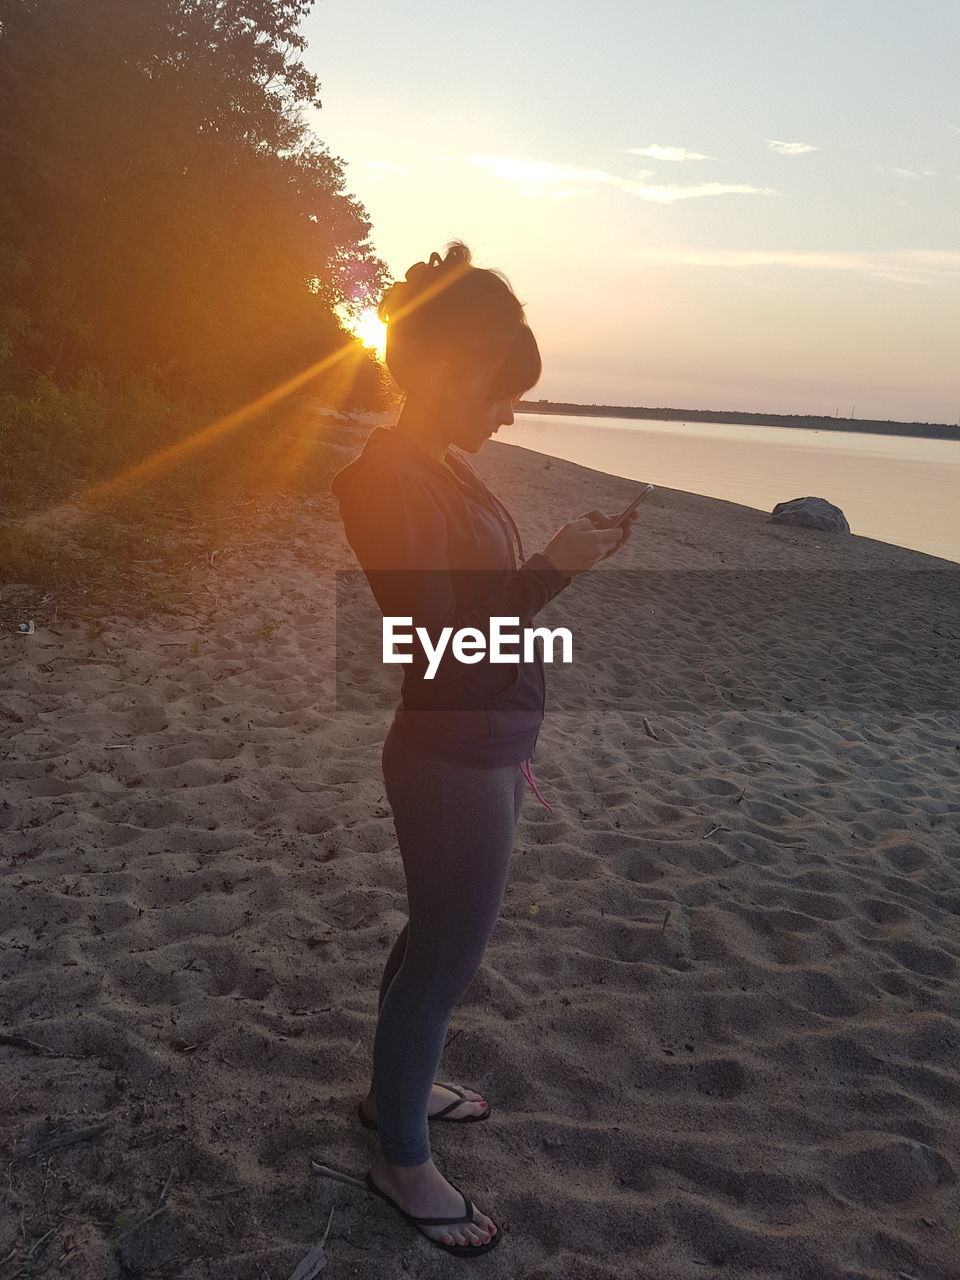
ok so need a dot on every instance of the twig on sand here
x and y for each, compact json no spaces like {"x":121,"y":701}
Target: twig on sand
{"x":64,"y":1140}
{"x":328,"y":1171}
{"x":315,"y":1261}
{"x":665,"y":919}
{"x":37,"y":1243}
{"x":649,"y":729}
{"x":21,"y":1042}
{"x":152,"y":1214}
{"x":718,"y":827}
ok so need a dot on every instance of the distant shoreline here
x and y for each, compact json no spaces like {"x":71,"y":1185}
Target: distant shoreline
{"x":924,"y":430}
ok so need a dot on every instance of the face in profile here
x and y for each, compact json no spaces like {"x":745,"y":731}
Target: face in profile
{"x":476,"y":415}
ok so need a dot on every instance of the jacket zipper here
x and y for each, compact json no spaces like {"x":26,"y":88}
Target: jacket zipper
{"x":484,"y":494}
{"x":493,"y":504}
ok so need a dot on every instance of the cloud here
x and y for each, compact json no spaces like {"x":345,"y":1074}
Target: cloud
{"x":667,"y":195}
{"x":563,"y":194}
{"x":790,"y":148}
{"x":655,"y":152}
{"x":540,"y":171}
{"x":909,"y":173}
{"x":532,"y":175}
{"x":954,"y":128}
{"x":906,"y":266}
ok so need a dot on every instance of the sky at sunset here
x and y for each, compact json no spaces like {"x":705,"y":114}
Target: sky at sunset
{"x":740,"y":205}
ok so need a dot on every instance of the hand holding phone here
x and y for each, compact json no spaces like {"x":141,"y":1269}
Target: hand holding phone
{"x":598,"y":522}
{"x":632,"y":506}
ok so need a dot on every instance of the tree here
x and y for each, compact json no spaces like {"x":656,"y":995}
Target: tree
{"x":162,"y":204}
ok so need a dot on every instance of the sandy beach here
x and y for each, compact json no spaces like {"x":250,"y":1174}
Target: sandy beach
{"x":719,"y":1019}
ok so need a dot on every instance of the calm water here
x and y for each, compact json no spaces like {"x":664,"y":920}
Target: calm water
{"x":892,"y":488}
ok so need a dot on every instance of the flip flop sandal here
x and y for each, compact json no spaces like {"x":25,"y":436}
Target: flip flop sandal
{"x":439,"y":1115}
{"x":461,"y":1250}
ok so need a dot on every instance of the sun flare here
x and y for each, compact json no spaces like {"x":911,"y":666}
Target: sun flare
{"x":369,"y":329}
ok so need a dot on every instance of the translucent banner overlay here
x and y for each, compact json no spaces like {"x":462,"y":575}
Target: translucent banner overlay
{"x":852,"y":642}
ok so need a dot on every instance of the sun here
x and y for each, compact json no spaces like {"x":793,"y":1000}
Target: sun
{"x":369,"y":329}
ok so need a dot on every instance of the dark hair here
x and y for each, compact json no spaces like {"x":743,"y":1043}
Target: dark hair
{"x":447,"y":309}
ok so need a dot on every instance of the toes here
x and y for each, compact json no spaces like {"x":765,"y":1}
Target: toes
{"x":472,"y":1233}
{"x":472,"y":1098}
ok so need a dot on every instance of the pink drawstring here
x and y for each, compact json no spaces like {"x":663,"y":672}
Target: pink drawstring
{"x":527,"y":772}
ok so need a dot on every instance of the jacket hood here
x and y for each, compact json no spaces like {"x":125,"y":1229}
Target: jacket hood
{"x":383,"y":445}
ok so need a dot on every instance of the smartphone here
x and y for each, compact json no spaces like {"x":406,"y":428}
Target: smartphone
{"x":644,"y":493}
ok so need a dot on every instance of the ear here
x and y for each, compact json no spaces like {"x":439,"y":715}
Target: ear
{"x":441,"y":379}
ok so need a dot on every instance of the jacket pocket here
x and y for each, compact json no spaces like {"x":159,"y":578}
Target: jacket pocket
{"x":487,"y":678}
{"x":518,"y":708}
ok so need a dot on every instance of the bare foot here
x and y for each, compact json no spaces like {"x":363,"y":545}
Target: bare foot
{"x":424,"y":1192}
{"x":440,"y":1097}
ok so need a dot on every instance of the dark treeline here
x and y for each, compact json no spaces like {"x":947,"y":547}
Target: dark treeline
{"x":927,"y":430}
{"x":173,"y":238}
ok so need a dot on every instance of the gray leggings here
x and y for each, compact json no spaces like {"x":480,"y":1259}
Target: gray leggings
{"x":455,"y":826}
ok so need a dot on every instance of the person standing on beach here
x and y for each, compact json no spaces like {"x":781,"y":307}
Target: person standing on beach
{"x":437,"y":547}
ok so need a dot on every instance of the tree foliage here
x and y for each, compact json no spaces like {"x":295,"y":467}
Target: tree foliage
{"x":164,"y":209}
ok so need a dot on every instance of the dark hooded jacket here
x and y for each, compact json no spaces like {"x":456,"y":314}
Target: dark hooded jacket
{"x":436,"y":546}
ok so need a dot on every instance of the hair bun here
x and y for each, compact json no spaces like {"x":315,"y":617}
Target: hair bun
{"x":402,"y":293}
{"x":420,"y":273}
